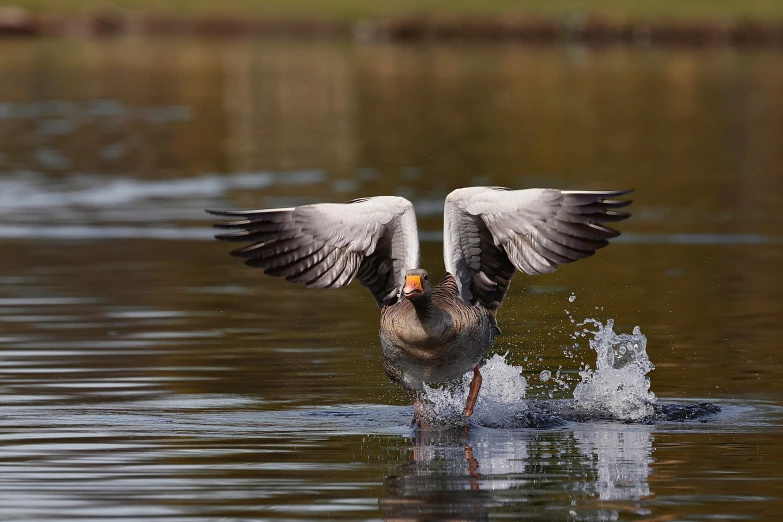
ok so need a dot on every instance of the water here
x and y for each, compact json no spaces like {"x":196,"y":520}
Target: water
{"x":146,"y":374}
{"x":619,"y":385}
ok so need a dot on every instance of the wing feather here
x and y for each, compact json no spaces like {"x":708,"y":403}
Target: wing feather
{"x":305,"y":259}
{"x":489,"y":232}
{"x":327,"y":245}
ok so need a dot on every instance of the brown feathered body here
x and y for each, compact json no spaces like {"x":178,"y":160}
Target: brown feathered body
{"x":435,"y":340}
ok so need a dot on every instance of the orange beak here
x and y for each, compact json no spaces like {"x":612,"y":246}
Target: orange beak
{"x":412,"y":286}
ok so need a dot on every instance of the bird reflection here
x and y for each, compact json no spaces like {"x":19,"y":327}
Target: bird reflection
{"x":441,"y":483}
{"x":475,"y":473}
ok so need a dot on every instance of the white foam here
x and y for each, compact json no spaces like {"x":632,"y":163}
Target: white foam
{"x":619,"y":385}
{"x":501,"y":398}
{"x":618,"y":388}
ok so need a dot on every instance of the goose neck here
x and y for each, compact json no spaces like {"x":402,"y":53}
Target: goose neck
{"x":424,"y":307}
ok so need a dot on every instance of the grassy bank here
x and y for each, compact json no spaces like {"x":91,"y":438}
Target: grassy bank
{"x":763,"y":11}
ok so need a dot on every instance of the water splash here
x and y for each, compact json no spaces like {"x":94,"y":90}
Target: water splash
{"x":619,"y":386}
{"x":617,"y":389}
{"x":501,"y":398}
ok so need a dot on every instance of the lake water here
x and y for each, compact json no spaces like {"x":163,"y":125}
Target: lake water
{"x":145,"y":374}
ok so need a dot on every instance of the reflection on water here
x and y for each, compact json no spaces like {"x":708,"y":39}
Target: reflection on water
{"x":623,"y":462}
{"x":146,"y":375}
{"x":471,"y":474}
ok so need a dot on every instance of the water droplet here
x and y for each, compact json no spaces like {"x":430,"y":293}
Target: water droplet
{"x":572,"y":298}
{"x":545,"y":375}
{"x":619,"y":384}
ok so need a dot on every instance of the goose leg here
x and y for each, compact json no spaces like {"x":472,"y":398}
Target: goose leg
{"x":418,"y":408}
{"x":475,"y":386}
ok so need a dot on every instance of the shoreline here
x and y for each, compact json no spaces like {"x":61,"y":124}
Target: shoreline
{"x":15,"y":22}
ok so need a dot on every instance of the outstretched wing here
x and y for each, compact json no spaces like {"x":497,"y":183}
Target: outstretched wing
{"x":491,"y":231}
{"x":327,"y":245}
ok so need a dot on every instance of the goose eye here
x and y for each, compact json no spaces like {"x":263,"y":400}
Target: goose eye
{"x":426,"y":278}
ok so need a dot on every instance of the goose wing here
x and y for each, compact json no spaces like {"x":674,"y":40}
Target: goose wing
{"x":491,"y":231}
{"x":327,"y":245}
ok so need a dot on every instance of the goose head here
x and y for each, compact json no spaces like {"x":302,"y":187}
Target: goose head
{"x":417,"y":285}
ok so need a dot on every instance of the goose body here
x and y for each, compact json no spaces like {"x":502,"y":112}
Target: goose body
{"x":429,"y":334}
{"x":436,"y":343}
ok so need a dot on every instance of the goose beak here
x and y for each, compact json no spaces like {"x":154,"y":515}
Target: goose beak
{"x":412,"y":288}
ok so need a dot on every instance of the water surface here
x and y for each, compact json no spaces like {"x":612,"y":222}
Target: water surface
{"x":146,"y":374}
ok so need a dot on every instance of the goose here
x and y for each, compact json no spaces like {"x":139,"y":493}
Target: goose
{"x":429,"y":334}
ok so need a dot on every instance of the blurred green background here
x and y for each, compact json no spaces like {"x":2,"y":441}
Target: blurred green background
{"x":762,"y":10}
